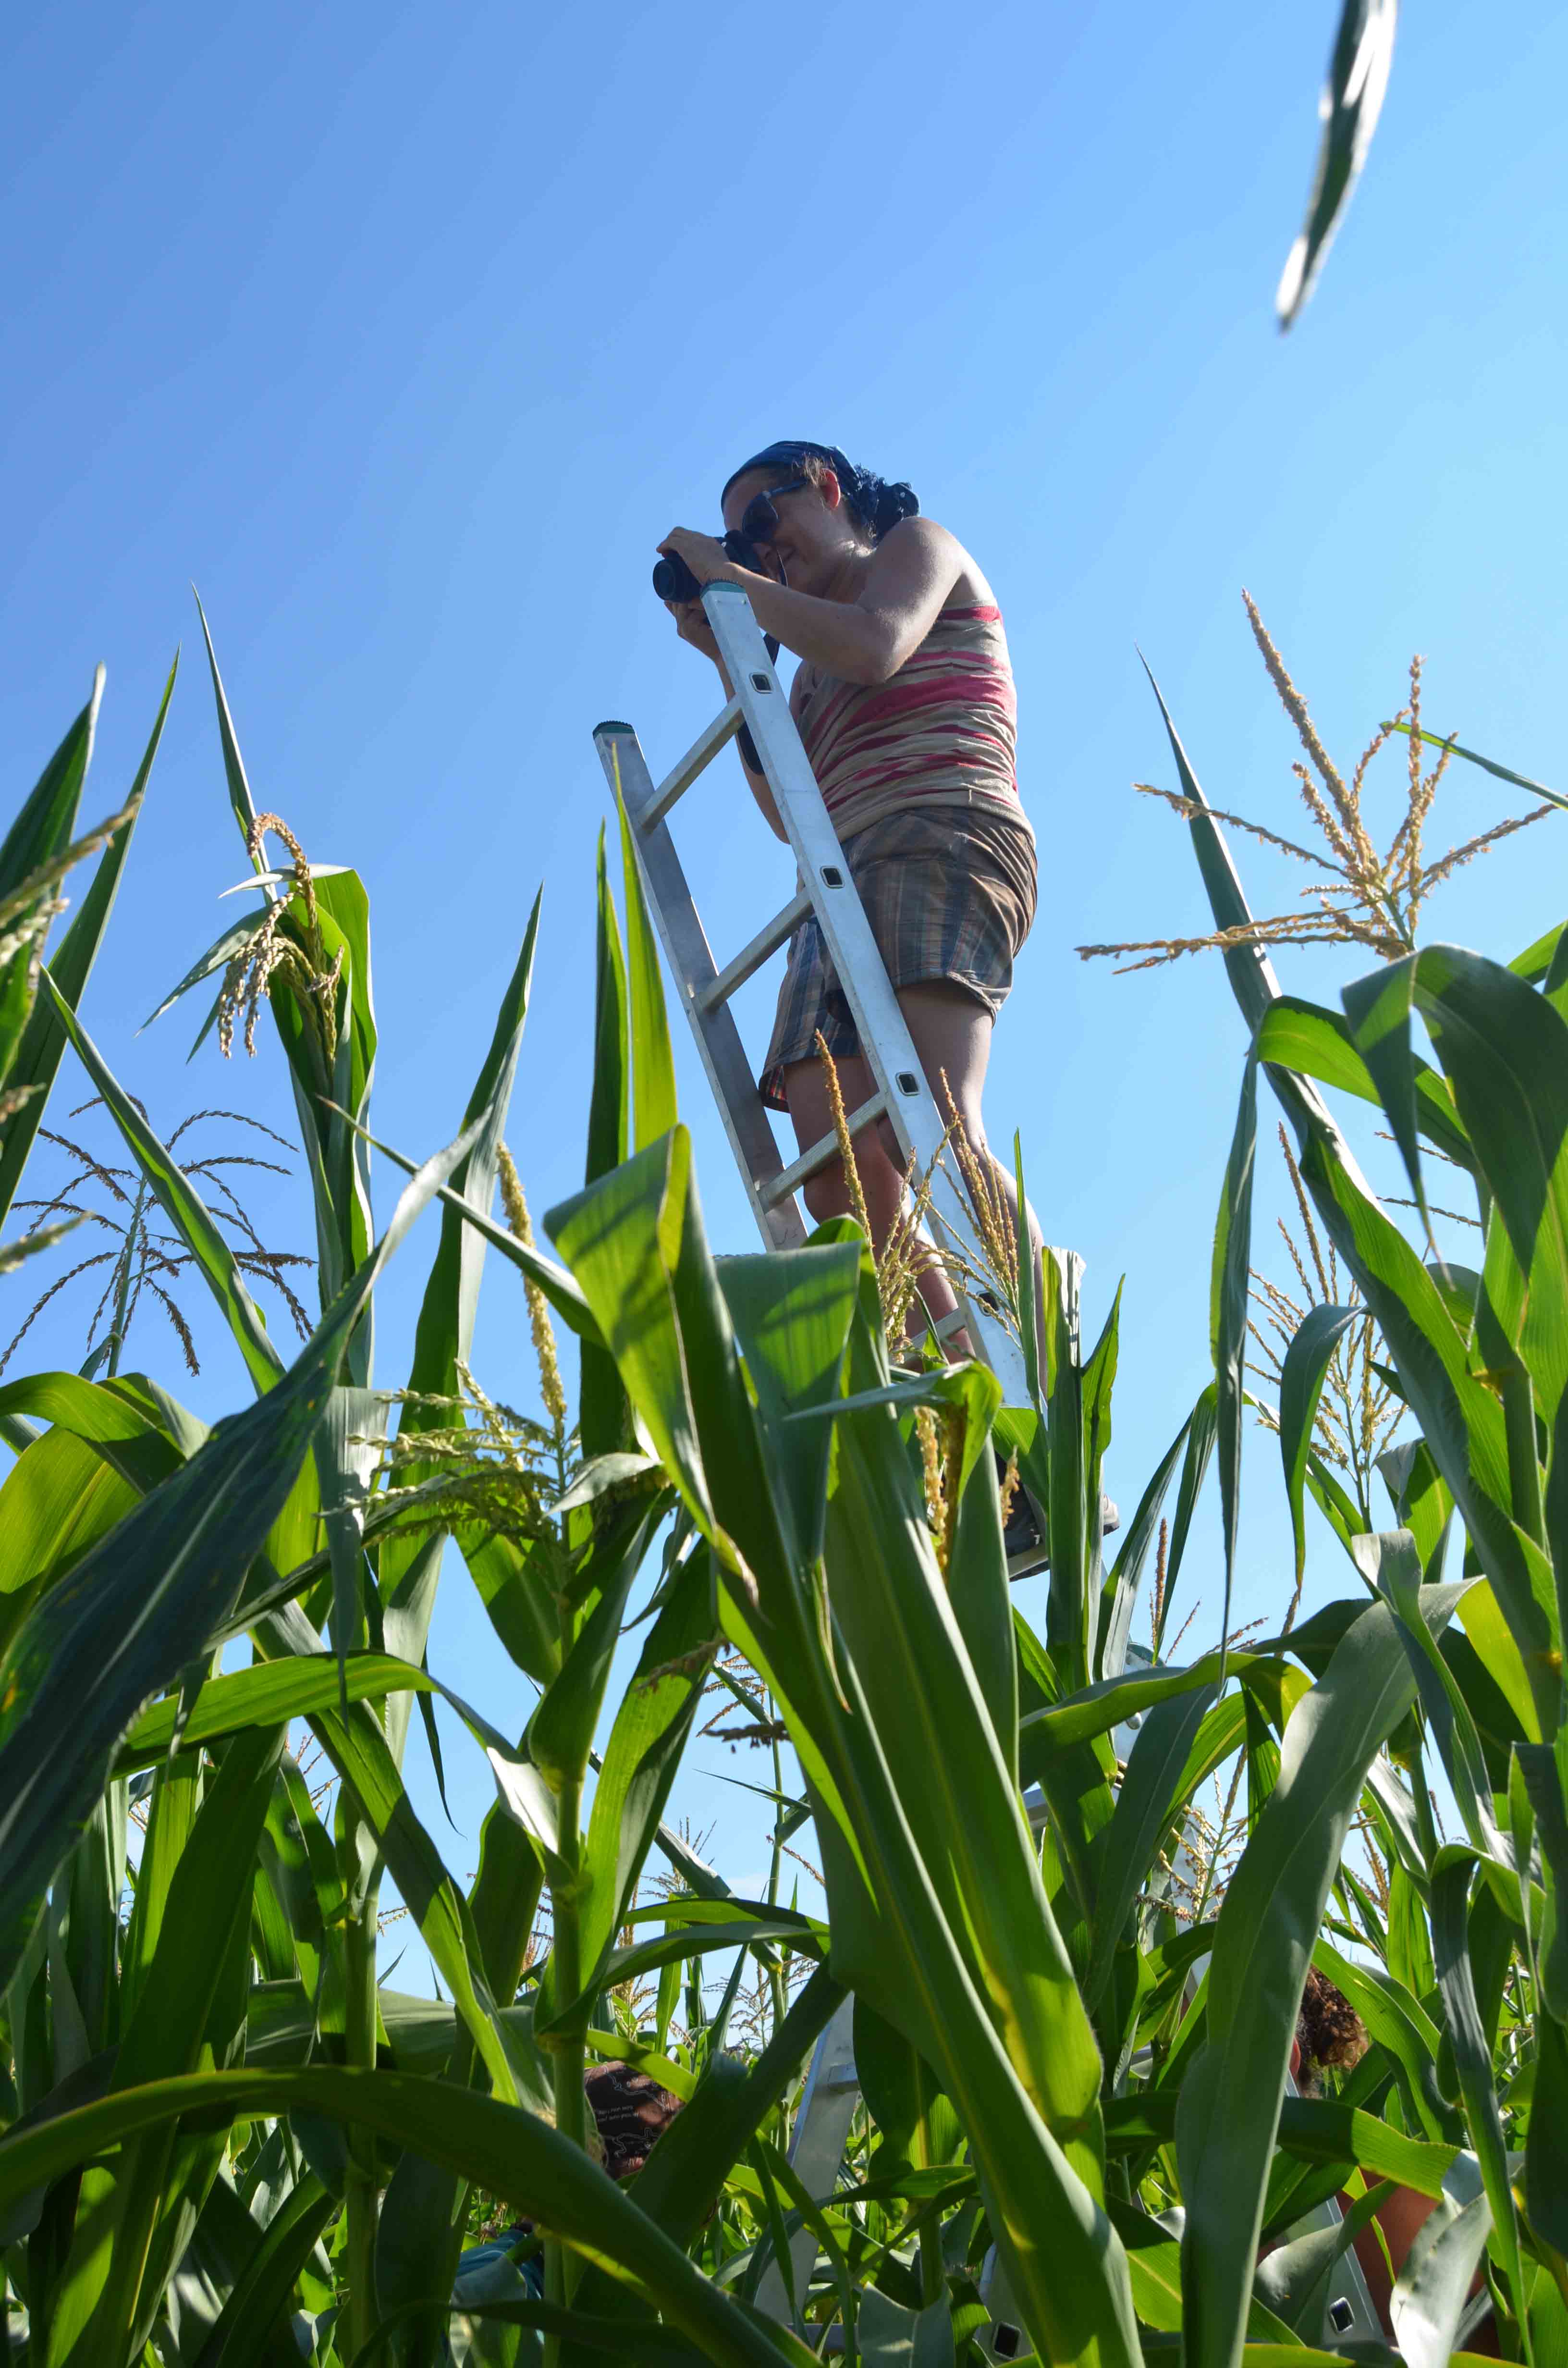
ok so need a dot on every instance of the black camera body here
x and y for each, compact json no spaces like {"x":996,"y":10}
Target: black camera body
{"x":673,"y":579}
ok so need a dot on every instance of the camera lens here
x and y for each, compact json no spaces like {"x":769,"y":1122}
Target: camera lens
{"x":673,"y":580}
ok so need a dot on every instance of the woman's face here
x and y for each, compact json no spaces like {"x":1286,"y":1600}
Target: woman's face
{"x":808,"y":542}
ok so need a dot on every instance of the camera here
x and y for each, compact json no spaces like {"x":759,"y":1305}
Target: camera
{"x":673,"y":579}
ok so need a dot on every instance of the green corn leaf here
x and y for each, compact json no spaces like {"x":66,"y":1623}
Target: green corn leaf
{"x":1229,"y":1290}
{"x":621,"y":1238}
{"x":791,"y":1312}
{"x":1460,"y":1419}
{"x":1119,"y":1594}
{"x":602,"y":1411}
{"x":1421,"y":1498}
{"x":430,"y":2318}
{"x":1505,"y":1050}
{"x":181,"y":1203}
{"x":1472,"y":2052}
{"x":345,"y":911}
{"x":609,"y":1112}
{"x":977,"y":1560}
{"x":515,"y":2155}
{"x":562,"y":1730}
{"x":1200,"y":1440}
{"x":516,"y":1579}
{"x":643,"y":1753}
{"x":890,"y":2335}
{"x":1351,"y":102}
{"x":1148,"y":1799}
{"x":1066,"y":1622}
{"x":444,"y":1334}
{"x":61,"y":1500}
{"x":1487,"y":765}
{"x":1316,"y":1042}
{"x":1249,"y":970}
{"x":37,"y":1054}
{"x":207,"y":1901}
{"x":362,"y":1757}
{"x":1546,"y":2147}
{"x":43,"y":825}
{"x":557,"y":1286}
{"x":409,"y":1567}
{"x":1101,"y":1706}
{"x":1433,"y":2288}
{"x":1378,"y":1012}
{"x":120,"y":1627}
{"x":1273,"y":1911}
{"x":653,"y":1059}
{"x":245,"y":2331}
{"x":903,"y":2095}
{"x":419,"y":2232}
{"x":1305,"y":1369}
{"x":229,"y":942}
{"x":1391,"y":1561}
{"x":1461,"y":1423}
{"x":240,"y":798}
{"x":266,"y":1694}
{"x":1029,"y":1279}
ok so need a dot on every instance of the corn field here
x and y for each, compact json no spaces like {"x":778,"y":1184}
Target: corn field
{"x":1075,"y":1978}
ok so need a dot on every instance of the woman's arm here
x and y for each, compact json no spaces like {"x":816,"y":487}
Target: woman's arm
{"x":913,"y":570}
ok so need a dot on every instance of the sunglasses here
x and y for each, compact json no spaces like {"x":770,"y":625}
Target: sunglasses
{"x":759,"y":519}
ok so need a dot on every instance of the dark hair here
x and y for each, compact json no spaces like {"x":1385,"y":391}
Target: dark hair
{"x":1329,"y":2032}
{"x":878,"y":505}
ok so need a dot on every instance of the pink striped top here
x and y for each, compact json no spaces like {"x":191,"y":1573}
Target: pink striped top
{"x":943,"y":731}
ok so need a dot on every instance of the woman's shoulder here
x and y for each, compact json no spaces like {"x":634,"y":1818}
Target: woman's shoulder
{"x":924,"y":543}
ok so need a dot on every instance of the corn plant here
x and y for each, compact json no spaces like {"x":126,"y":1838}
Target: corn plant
{"x":1074,"y":1991}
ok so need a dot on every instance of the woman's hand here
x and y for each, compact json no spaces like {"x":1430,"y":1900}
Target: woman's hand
{"x":703,"y":553}
{"x":692,"y":625}
{"x":710,"y":563}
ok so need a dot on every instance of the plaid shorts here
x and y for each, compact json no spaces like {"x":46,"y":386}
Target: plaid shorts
{"x":949,"y":893}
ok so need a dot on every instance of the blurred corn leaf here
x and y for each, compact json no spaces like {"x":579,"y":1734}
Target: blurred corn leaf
{"x":1351,"y":102}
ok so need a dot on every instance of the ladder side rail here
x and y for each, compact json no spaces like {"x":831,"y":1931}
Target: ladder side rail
{"x":691,"y":961}
{"x":884,"y":1034}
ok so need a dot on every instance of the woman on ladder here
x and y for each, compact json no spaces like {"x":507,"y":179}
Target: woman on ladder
{"x":905,"y":702}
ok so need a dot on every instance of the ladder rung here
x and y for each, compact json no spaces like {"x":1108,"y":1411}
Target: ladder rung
{"x":702,"y":751}
{"x":752,"y":957}
{"x":790,"y":1178}
{"x":953,"y":1321}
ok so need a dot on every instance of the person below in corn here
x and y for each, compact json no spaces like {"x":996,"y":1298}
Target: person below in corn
{"x":631,"y":2111}
{"x":905,"y":702}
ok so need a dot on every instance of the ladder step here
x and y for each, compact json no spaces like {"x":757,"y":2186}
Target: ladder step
{"x":752,"y":957}
{"x":702,"y":751}
{"x":790,"y":1178}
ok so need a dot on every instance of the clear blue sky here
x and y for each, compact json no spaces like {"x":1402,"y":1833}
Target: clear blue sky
{"x":405,"y":334}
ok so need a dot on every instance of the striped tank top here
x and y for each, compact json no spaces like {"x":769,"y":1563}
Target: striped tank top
{"x":942,"y":730}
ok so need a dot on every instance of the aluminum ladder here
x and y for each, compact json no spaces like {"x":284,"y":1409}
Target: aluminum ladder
{"x":825,"y":889}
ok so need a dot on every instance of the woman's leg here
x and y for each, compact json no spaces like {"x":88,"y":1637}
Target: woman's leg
{"x":828,"y":1194}
{"x":951,"y":1032}
{"x":952,"y":1035}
